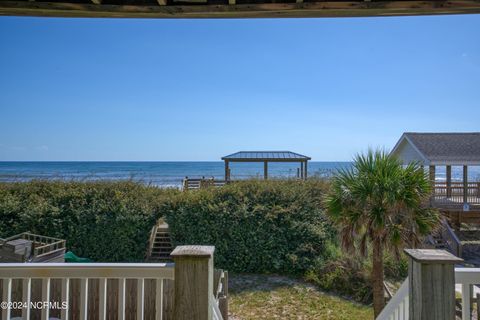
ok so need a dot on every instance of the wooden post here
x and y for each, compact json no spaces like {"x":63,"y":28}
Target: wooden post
{"x":305,"y":175}
{"x":478,"y":305}
{"x":465,"y":184}
{"x":449,"y":181}
{"x":223,"y":300}
{"x":431,"y":171}
{"x":193,"y":282}
{"x":265,"y":170}
{"x":227,"y":171}
{"x":301,"y":170}
{"x":431,"y":281}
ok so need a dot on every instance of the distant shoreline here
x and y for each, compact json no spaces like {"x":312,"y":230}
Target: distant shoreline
{"x":168,"y":173}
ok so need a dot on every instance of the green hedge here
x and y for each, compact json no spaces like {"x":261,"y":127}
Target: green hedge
{"x":255,"y":226}
{"x":105,"y":221}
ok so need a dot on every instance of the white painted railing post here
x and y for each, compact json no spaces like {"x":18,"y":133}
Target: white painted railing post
{"x":431,"y":277}
{"x":193,"y":282}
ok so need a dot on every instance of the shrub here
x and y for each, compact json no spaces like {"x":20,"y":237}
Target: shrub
{"x":105,"y":221}
{"x":349,"y":274}
{"x":256,"y":226}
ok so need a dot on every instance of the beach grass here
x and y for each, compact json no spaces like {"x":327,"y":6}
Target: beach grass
{"x":280,"y":297}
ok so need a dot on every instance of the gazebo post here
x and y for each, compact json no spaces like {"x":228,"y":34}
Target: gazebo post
{"x":449,"y":181}
{"x":227,"y":171}
{"x":305,"y":170}
{"x":265,"y":170}
{"x":465,"y":184}
{"x":301,"y":170}
{"x":431,"y":172}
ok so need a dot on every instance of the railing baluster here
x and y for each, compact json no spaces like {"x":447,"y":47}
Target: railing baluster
{"x":466,"y":296}
{"x":140,"y":298}
{"x":84,"y":299}
{"x":121,"y":298}
{"x":102,"y":303}
{"x":407,"y":310}
{"x":401,"y":311}
{"x":159,"y":300}
{"x":6,"y":297}
{"x":26,"y":297}
{"x":65,"y":297}
{"x":45,"y":298}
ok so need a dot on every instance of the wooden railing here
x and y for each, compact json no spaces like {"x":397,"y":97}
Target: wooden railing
{"x":70,"y":291}
{"x":455,"y":194}
{"x":220,"y":287}
{"x":86,"y":273}
{"x":199,"y":183}
{"x":42,"y":248}
{"x":451,"y":240}
{"x":432,"y":295}
{"x":397,"y":307}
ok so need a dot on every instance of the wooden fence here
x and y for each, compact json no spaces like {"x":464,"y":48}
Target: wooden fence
{"x":100,"y":291}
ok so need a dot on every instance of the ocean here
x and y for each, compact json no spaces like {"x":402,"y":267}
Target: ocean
{"x":171,"y":174}
{"x":164,"y":174}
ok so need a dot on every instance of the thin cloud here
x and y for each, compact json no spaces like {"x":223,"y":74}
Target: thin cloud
{"x":42,"y":148}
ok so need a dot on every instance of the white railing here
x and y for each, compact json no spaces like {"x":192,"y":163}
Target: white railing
{"x":216,"y":313}
{"x":467,"y":277}
{"x":85,"y":272}
{"x":397,"y":308}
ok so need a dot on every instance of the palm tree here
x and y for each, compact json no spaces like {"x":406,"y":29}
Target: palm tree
{"x":380,"y":204}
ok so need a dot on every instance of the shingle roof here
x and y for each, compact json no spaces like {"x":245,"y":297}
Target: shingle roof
{"x":447,"y":147}
{"x":266,"y":155}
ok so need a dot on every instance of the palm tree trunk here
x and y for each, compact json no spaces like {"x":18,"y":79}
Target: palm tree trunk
{"x":377,"y":277}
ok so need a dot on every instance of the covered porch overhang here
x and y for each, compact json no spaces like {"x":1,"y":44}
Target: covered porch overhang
{"x":233,"y":8}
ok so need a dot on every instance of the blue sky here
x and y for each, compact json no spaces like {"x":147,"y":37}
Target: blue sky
{"x":80,"y":89}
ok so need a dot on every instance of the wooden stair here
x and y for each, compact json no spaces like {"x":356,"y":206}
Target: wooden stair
{"x":160,"y":245}
{"x":439,"y":242}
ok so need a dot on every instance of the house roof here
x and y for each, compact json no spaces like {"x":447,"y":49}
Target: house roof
{"x":278,"y":156}
{"x":443,"y":148}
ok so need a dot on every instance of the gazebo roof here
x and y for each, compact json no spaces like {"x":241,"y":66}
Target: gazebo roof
{"x":462,"y":148}
{"x":274,"y":156}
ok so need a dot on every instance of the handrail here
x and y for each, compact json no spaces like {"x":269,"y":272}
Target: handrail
{"x":216,"y":313}
{"x":398,"y":305}
{"x":450,"y":236}
{"x":87,"y":270}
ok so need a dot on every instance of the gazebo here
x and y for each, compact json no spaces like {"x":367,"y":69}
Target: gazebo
{"x":445,"y":149}
{"x":266,"y":157}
